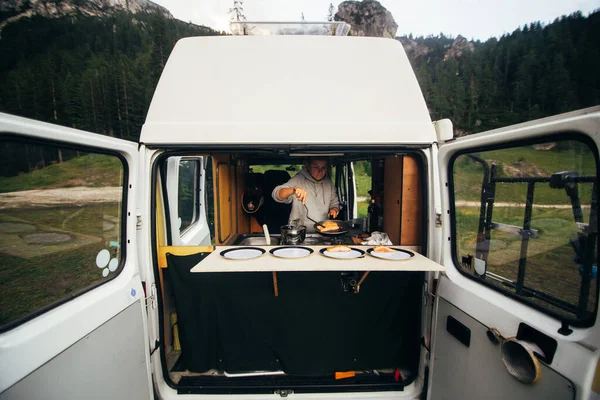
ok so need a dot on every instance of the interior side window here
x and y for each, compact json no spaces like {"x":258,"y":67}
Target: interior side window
{"x":188,"y":202}
{"x":61,"y":224}
{"x":209,"y":197}
{"x":526,"y":223}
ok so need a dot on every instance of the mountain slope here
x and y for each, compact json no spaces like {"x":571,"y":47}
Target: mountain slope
{"x":535,"y":71}
{"x":93,"y":70}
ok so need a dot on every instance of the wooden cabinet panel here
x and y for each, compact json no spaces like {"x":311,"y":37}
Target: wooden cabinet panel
{"x":412,"y":213}
{"x":392,"y":197}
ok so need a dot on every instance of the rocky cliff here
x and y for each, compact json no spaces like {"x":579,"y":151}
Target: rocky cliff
{"x":13,"y":10}
{"x":460,"y":46}
{"x":367,"y":18}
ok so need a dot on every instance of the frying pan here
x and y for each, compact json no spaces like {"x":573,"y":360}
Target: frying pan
{"x":343,"y":228}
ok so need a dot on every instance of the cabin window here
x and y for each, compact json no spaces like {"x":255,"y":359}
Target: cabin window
{"x":188,"y":196}
{"x":61,"y":225}
{"x":526,"y":223}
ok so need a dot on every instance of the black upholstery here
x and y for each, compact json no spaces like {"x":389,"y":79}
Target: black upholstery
{"x":274,"y":214}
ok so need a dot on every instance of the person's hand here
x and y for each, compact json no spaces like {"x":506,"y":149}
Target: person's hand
{"x":333,"y":213}
{"x":300,"y":194}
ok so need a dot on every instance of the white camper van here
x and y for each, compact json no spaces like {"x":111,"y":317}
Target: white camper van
{"x":161,"y":268}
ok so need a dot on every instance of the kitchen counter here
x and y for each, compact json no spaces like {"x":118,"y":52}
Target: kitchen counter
{"x":314,"y":262}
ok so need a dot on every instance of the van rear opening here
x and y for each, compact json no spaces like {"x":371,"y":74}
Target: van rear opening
{"x":301,"y":331}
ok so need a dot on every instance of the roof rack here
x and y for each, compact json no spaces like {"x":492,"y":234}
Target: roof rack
{"x":263,"y":28}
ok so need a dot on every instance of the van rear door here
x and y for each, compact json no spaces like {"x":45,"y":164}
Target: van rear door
{"x":516,"y":309}
{"x":72,"y":305}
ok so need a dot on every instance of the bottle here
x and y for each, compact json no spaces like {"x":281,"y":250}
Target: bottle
{"x":373,"y":216}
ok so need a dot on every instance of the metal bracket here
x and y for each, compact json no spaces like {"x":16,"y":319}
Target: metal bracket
{"x":284,"y":392}
{"x":427,"y":295}
{"x":151,"y":298}
{"x":438,"y":220}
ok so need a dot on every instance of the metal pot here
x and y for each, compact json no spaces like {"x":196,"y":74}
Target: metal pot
{"x":293,"y":234}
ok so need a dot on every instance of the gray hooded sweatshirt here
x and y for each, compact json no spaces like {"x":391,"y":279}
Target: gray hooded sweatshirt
{"x":320,"y":198}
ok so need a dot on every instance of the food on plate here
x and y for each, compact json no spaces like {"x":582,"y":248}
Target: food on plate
{"x":356,"y":240}
{"x":383,"y":249}
{"x":328,"y":226}
{"x":340,"y":248}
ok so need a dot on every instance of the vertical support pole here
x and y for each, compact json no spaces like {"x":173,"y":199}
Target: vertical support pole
{"x":525,"y":233}
{"x":486,"y":192}
{"x":487,"y":232}
{"x":588,"y":256}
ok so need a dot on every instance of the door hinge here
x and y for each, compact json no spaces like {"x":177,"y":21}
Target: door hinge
{"x":438,"y":220}
{"x":151,"y":298}
{"x":284,"y":393}
{"x":138,"y":220}
{"x":427,"y":295}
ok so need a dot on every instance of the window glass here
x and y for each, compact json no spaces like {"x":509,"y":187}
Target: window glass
{"x":188,"y":204}
{"x":209,"y":197}
{"x":291,"y":168}
{"x":363,"y":172}
{"x":60,"y":225}
{"x":526,"y":223}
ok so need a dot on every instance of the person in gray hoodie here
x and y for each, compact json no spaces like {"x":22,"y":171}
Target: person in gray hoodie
{"x":311,"y":187}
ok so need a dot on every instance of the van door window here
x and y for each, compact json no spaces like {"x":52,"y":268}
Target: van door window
{"x":61,"y":225}
{"x":526,"y":224}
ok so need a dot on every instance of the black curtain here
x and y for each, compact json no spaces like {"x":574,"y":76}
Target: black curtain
{"x":233,"y":322}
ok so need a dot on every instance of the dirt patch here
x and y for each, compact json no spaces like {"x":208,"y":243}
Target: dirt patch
{"x":13,"y":227}
{"x":46,"y":238}
{"x":52,"y":197}
{"x":521,"y":169}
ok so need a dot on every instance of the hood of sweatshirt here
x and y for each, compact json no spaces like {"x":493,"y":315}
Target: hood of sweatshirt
{"x":317,"y":186}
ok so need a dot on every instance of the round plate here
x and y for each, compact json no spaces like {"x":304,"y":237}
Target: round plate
{"x":242,"y":253}
{"x":397,"y":255}
{"x":343,"y":255}
{"x":291,"y":252}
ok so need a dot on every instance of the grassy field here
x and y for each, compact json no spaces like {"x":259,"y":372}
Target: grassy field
{"x":89,"y":170}
{"x":35,"y":275}
{"x":525,"y":161}
{"x":550,"y":266}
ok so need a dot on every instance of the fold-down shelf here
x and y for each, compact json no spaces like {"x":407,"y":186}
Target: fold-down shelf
{"x":314,"y":262}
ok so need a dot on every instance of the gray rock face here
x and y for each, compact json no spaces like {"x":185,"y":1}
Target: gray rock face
{"x":367,"y":18}
{"x":414,"y":49}
{"x":461,"y":45}
{"x":59,"y":8}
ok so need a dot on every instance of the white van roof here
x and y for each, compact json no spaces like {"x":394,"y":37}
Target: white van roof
{"x":288,"y":90}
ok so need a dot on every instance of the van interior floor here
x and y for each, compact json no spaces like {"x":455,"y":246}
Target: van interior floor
{"x":217,"y":381}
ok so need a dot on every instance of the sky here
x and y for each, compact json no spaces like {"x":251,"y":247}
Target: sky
{"x":473,"y":19}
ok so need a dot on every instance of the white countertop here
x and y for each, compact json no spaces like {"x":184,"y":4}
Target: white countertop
{"x":314,"y":262}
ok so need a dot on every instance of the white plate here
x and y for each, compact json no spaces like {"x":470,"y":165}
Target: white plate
{"x":291,"y":252}
{"x":395,"y":256}
{"x":344,"y":255}
{"x":245,"y":253}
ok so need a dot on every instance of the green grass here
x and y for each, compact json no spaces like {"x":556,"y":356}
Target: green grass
{"x":34,"y":275}
{"x":94,"y":170}
{"x":550,"y":266}
{"x":362,"y":209}
{"x":468,"y":174}
{"x":363,"y":185}
{"x":261,"y":169}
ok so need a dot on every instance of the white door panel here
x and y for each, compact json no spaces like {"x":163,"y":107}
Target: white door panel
{"x":96,"y":367}
{"x":478,"y":372}
{"x":44,"y":338}
{"x":575,"y":359}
